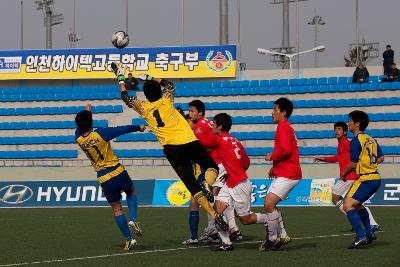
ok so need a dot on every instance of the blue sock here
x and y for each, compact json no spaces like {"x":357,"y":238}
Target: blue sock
{"x":364,"y":216}
{"x":355,"y":222}
{"x":132,"y":206}
{"x":194,"y":224}
{"x":123,"y":226}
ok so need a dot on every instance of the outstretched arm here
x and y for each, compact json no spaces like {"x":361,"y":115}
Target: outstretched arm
{"x":131,"y":102}
{"x":110,"y":133}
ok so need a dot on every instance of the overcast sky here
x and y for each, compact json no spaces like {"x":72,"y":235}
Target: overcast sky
{"x":158,"y":23}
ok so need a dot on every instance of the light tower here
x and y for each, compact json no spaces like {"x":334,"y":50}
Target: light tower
{"x":316,"y":21}
{"x":285,"y":48}
{"x":50,"y":19}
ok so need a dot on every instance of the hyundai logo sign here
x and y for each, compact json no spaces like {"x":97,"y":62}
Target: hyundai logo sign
{"x":15,"y":194}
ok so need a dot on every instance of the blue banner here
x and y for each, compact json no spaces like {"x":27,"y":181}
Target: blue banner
{"x":167,"y":193}
{"x":64,"y":194}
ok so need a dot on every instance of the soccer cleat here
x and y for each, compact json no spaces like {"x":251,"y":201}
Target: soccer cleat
{"x":224,"y":247}
{"x":371,"y":238}
{"x":358,"y":243}
{"x":235,"y":236}
{"x":207,"y":192}
{"x":282,"y":241}
{"x":130,"y":244}
{"x":190,"y":242}
{"x":135,"y":227}
{"x":375,"y":228}
{"x":268,"y":245}
{"x":220,"y":222}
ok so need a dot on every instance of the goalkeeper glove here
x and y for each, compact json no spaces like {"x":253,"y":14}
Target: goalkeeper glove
{"x":119,"y":71}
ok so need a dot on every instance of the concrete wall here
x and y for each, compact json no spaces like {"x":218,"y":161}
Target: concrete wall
{"x":165,"y":172}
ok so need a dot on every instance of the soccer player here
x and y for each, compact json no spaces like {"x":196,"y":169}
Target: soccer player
{"x":365,"y":156}
{"x":236,"y":191}
{"x":194,"y":216}
{"x":111,"y":175}
{"x":343,"y":158}
{"x":203,"y":126}
{"x":286,"y":172}
{"x":181,"y":146}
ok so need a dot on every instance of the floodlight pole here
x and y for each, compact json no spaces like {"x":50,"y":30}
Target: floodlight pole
{"x":22,"y":24}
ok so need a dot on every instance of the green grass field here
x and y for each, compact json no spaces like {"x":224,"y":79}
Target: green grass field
{"x":89,"y":237}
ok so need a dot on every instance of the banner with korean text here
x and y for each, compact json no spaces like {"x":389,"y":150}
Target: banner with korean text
{"x":163,"y":62}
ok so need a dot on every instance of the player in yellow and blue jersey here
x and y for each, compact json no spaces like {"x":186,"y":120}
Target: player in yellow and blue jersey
{"x":111,"y":175}
{"x":365,"y":155}
{"x":180,"y":145}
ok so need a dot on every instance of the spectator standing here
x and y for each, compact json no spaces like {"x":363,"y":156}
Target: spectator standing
{"x":388,"y":60}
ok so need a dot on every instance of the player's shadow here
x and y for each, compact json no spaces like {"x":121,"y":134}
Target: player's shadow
{"x":379,"y":243}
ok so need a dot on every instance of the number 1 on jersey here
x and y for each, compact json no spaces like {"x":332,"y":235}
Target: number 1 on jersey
{"x":156,"y":115}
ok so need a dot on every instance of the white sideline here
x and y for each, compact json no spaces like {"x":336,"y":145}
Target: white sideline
{"x":160,"y":250}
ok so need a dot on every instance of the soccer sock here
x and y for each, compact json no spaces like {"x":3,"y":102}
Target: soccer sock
{"x":224,"y":237}
{"x":123,"y":226}
{"x":281,"y":230}
{"x":194,"y":224}
{"x":339,"y":205}
{"x":229,"y":214}
{"x":132,"y":206}
{"x":202,"y":200}
{"x":262,"y":218}
{"x":364,"y":216}
{"x":371,"y":218}
{"x":210,"y":176}
{"x":355,"y":221}
{"x":273,"y":225}
{"x":211,"y":224}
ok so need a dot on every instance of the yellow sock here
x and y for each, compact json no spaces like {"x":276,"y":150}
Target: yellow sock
{"x":210,"y":176}
{"x":202,"y":200}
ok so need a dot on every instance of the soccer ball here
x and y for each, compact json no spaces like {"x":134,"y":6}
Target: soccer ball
{"x":120,"y":39}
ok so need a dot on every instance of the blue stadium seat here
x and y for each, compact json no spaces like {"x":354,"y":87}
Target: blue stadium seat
{"x":255,"y":83}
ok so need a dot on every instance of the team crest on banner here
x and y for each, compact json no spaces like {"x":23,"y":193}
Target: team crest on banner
{"x":177,"y":194}
{"x":321,"y":191}
{"x":219,"y":62}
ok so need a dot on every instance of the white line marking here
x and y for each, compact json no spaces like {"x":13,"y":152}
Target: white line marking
{"x":162,"y":250}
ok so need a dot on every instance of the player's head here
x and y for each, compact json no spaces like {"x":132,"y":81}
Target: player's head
{"x":394,"y":65}
{"x":358,"y":120}
{"x":340,"y":128}
{"x":388,"y":47}
{"x":84,"y":120}
{"x":283,"y":108}
{"x":152,"y":90}
{"x":222,"y":123}
{"x":129,"y":75}
{"x":197,"y":110}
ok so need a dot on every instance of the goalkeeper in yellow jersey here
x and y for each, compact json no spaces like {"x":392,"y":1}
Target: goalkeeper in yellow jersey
{"x":180,"y":145}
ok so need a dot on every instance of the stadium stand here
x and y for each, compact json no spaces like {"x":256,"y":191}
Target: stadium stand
{"x":38,"y":121}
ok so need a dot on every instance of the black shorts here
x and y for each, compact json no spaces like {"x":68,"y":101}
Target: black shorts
{"x":181,"y":158}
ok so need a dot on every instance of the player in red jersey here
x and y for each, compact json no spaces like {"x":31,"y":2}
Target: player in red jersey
{"x":285,"y":170}
{"x":236,"y":191}
{"x":343,"y":158}
{"x":203,"y":126}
